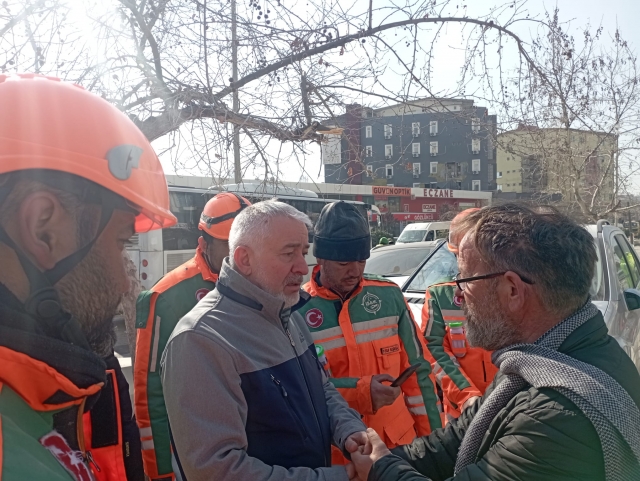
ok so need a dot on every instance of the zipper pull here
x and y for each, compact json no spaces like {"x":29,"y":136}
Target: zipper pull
{"x":290,"y":337}
{"x":91,"y":460}
{"x":277,"y":383}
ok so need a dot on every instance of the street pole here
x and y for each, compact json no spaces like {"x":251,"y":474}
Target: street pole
{"x":236,"y":101}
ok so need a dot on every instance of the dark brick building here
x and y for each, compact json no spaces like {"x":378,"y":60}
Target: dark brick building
{"x":430,"y":143}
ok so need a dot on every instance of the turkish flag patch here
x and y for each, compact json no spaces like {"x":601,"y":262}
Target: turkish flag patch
{"x":70,"y":459}
{"x":200,"y":293}
{"x":314,"y":318}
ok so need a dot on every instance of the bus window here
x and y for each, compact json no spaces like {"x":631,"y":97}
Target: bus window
{"x":187,"y":207}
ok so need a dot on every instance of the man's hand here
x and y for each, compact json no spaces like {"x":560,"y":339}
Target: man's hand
{"x":363,"y":460}
{"x":356,"y":442}
{"x":469,"y":402}
{"x":382,"y":395}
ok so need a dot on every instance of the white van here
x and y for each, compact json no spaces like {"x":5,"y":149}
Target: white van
{"x":424,"y":231}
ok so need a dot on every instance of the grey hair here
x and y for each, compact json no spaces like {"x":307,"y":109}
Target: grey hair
{"x":547,"y":247}
{"x":250,"y":225}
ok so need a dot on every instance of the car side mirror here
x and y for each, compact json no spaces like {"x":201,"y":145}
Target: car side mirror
{"x":632,"y":299}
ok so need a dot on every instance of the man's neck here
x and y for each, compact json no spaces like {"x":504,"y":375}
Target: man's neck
{"x":536,"y":322}
{"x":12,"y":275}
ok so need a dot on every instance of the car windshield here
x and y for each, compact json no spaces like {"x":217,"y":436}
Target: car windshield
{"x":411,"y":236}
{"x":396,"y":262}
{"x":441,"y":267}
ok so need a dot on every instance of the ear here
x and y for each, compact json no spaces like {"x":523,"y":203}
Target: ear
{"x":202,"y":244}
{"x":242,"y":260}
{"x":45,"y":230}
{"x":514,"y":292}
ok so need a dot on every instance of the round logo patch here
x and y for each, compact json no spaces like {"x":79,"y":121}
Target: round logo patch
{"x":200,"y":293}
{"x":371,"y":303}
{"x":314,"y":318}
{"x":457,"y":301}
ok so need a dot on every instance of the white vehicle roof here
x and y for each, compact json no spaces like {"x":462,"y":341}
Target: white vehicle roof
{"x":426,"y":225}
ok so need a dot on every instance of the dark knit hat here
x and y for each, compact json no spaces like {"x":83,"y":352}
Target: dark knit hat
{"x":341,"y":234}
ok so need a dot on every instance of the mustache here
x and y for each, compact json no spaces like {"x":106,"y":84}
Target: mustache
{"x":293,"y":279}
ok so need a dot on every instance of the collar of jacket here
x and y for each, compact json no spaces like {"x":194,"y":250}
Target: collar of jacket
{"x":315,"y":289}
{"x":236,"y":287}
{"x":47,"y":373}
{"x":203,"y":266}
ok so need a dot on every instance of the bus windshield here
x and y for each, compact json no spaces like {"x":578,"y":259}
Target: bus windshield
{"x":187,"y":207}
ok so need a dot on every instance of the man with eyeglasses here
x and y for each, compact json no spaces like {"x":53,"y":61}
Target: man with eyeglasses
{"x":462,"y":372}
{"x":565,"y":404}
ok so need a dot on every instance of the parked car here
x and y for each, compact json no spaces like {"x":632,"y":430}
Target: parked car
{"x":424,"y":231}
{"x":397,"y":262}
{"x":614,"y":288}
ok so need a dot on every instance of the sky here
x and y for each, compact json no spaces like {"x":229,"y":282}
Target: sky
{"x":449,"y":57}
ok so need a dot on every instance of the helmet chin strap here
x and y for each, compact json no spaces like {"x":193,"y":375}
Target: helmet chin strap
{"x":43,"y":303}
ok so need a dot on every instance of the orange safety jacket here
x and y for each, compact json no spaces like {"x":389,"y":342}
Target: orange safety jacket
{"x":373,"y":332}
{"x":157,"y":313}
{"x":461,"y":371}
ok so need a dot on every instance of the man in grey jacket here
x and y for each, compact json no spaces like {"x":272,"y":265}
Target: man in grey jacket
{"x":246,"y":396}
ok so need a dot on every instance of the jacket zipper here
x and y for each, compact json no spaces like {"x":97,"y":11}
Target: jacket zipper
{"x":313,"y":407}
{"x":285,"y":395}
{"x":91,"y":460}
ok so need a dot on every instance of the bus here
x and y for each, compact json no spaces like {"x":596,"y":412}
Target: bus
{"x":157,"y":252}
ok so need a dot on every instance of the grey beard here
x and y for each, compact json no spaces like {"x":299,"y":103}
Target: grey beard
{"x":490,"y":335}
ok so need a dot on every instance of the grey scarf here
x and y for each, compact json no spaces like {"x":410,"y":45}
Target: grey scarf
{"x":602,"y":400}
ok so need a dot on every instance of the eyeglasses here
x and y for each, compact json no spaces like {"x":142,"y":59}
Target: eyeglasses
{"x":462,"y":283}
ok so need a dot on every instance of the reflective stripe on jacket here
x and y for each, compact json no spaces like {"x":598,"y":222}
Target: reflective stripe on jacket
{"x":157,"y":314}
{"x":372,"y":332}
{"x":461,"y":371}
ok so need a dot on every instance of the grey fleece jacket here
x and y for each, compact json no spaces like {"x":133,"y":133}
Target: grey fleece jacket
{"x":246,"y":396}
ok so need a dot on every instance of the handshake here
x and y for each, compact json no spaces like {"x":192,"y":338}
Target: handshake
{"x":365,"y":449}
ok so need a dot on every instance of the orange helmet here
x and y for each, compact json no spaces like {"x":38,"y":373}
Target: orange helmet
{"x":49,"y":124}
{"x":454,"y":223}
{"x":219,"y":212}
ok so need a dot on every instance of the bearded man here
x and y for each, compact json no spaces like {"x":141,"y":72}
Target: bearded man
{"x":564,"y":405}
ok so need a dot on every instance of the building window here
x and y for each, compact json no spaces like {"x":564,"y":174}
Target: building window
{"x":389,"y":170}
{"x":475,"y":166}
{"x":405,"y":207}
{"x":475,"y":185}
{"x":416,"y":170}
{"x":415,"y":149}
{"x":415,"y":129}
{"x":368,"y":131}
{"x":388,"y":131}
{"x":459,"y":185}
{"x":475,"y":146}
{"x":433,"y":148}
{"x":388,"y":151}
{"x":433,"y":185}
{"x":417,"y":185}
{"x":475,"y":124}
{"x":433,"y":167}
{"x":369,"y":170}
{"x":368,"y":150}
{"x":433,"y":128}
{"x":499,"y":187}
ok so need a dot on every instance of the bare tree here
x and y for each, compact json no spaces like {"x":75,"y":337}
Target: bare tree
{"x":577,"y":116}
{"x":168,"y":65}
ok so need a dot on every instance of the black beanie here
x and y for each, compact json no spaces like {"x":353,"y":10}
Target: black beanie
{"x":341,"y":234}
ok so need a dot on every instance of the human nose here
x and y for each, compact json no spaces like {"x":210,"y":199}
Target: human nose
{"x":300,"y":265}
{"x":459,"y":292}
